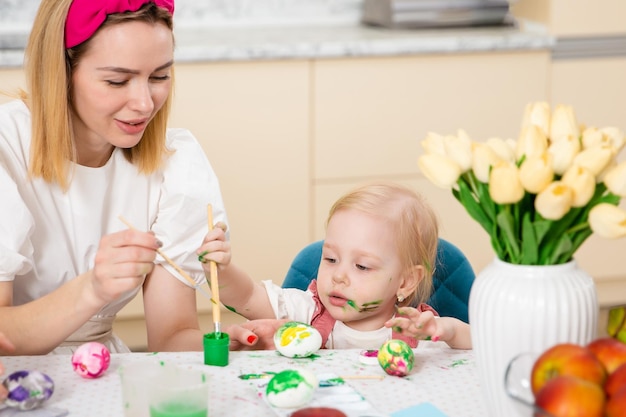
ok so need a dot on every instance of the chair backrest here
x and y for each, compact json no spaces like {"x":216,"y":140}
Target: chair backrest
{"x":452,"y":280}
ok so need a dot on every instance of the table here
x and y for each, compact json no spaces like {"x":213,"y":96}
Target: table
{"x":443,"y":377}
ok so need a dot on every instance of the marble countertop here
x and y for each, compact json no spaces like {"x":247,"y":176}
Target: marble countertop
{"x":197,"y":44}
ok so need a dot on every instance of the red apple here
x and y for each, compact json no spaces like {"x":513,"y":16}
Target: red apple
{"x":615,"y":381}
{"x":566,"y":359}
{"x":616,"y":405}
{"x":570,"y":396}
{"x":611,"y":352}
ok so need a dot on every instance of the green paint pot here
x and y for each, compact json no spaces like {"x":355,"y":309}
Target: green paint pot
{"x":216,"y":349}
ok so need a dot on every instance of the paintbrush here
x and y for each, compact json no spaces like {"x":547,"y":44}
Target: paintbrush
{"x":214,"y":283}
{"x":173,"y":264}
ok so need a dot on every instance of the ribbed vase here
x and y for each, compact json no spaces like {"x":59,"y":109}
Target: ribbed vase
{"x":526,"y":308}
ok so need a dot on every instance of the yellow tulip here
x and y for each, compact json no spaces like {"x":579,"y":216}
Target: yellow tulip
{"x":608,"y":221}
{"x":537,"y":114}
{"x":563,"y":123}
{"x":594,"y":159}
{"x":440,"y":170}
{"x":504,"y":184}
{"x":536,"y":173}
{"x":563,"y":153}
{"x":554,"y":201}
{"x":433,"y":143}
{"x":607,"y":136}
{"x":459,"y":149}
{"x":615,"y":137}
{"x":582,"y":182}
{"x":531,"y":142}
{"x":483,"y":159}
{"x":592,"y":136}
{"x":505,"y":149}
{"x":615,"y":179}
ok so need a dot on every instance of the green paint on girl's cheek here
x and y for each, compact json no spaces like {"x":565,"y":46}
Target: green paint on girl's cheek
{"x":369,"y":306}
{"x":231,"y":309}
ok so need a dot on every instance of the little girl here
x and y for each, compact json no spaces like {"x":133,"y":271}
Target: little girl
{"x":378,"y":258}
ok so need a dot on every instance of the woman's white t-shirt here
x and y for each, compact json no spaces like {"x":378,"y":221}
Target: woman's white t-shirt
{"x":48,"y":237}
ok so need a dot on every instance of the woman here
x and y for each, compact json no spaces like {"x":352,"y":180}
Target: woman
{"x":88,"y":144}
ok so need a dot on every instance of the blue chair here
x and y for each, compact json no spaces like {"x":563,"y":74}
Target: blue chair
{"x":452,"y":280}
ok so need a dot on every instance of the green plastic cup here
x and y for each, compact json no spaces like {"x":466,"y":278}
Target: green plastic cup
{"x":216,"y":349}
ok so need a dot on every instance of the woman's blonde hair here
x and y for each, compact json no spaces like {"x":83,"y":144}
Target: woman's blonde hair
{"x":48,"y":67}
{"x":413,"y":222}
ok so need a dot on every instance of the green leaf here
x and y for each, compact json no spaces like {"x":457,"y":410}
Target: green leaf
{"x":563,"y":246}
{"x":465,"y":196}
{"x":541,"y":226}
{"x":530,"y":243}
{"x":505,"y":222}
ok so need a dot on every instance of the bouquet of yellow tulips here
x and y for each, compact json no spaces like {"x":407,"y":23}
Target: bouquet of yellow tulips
{"x":541,"y":196}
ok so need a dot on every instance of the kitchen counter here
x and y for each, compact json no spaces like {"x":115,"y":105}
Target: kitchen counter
{"x":198,"y":44}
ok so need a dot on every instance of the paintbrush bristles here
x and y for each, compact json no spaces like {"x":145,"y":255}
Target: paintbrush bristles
{"x":215,"y":291}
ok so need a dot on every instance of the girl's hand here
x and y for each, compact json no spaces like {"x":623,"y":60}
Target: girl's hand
{"x":215,"y":248}
{"x":424,"y":325}
{"x":122,"y":261}
{"x":421,"y":325}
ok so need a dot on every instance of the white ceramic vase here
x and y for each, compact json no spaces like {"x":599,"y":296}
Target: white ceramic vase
{"x":515,"y":309}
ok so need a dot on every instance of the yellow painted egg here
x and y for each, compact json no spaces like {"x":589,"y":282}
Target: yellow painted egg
{"x":396,"y":357}
{"x":297,"y":340}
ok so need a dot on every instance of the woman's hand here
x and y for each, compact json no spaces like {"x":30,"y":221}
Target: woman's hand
{"x":254,"y":334}
{"x":215,"y":248}
{"x":122,"y":261}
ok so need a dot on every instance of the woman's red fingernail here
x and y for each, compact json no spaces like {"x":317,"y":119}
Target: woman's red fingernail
{"x":251,"y":339}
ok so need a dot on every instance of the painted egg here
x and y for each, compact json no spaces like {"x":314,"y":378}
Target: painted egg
{"x":91,"y":360}
{"x":28,"y":389}
{"x":291,"y":388}
{"x":396,"y":357}
{"x":297,"y":340}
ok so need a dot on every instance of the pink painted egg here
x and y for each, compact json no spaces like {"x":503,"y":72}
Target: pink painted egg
{"x":396,"y":357}
{"x":91,"y":360}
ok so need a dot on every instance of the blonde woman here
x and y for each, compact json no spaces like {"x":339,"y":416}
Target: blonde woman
{"x":89,"y":142}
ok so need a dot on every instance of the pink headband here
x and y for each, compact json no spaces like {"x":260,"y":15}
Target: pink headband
{"x":85,"y":16}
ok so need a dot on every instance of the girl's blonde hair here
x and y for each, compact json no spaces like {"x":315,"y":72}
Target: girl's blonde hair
{"x":48,"y":67}
{"x":413,"y":222}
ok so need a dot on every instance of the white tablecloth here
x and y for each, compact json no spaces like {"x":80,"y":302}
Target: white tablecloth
{"x":443,"y":377}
